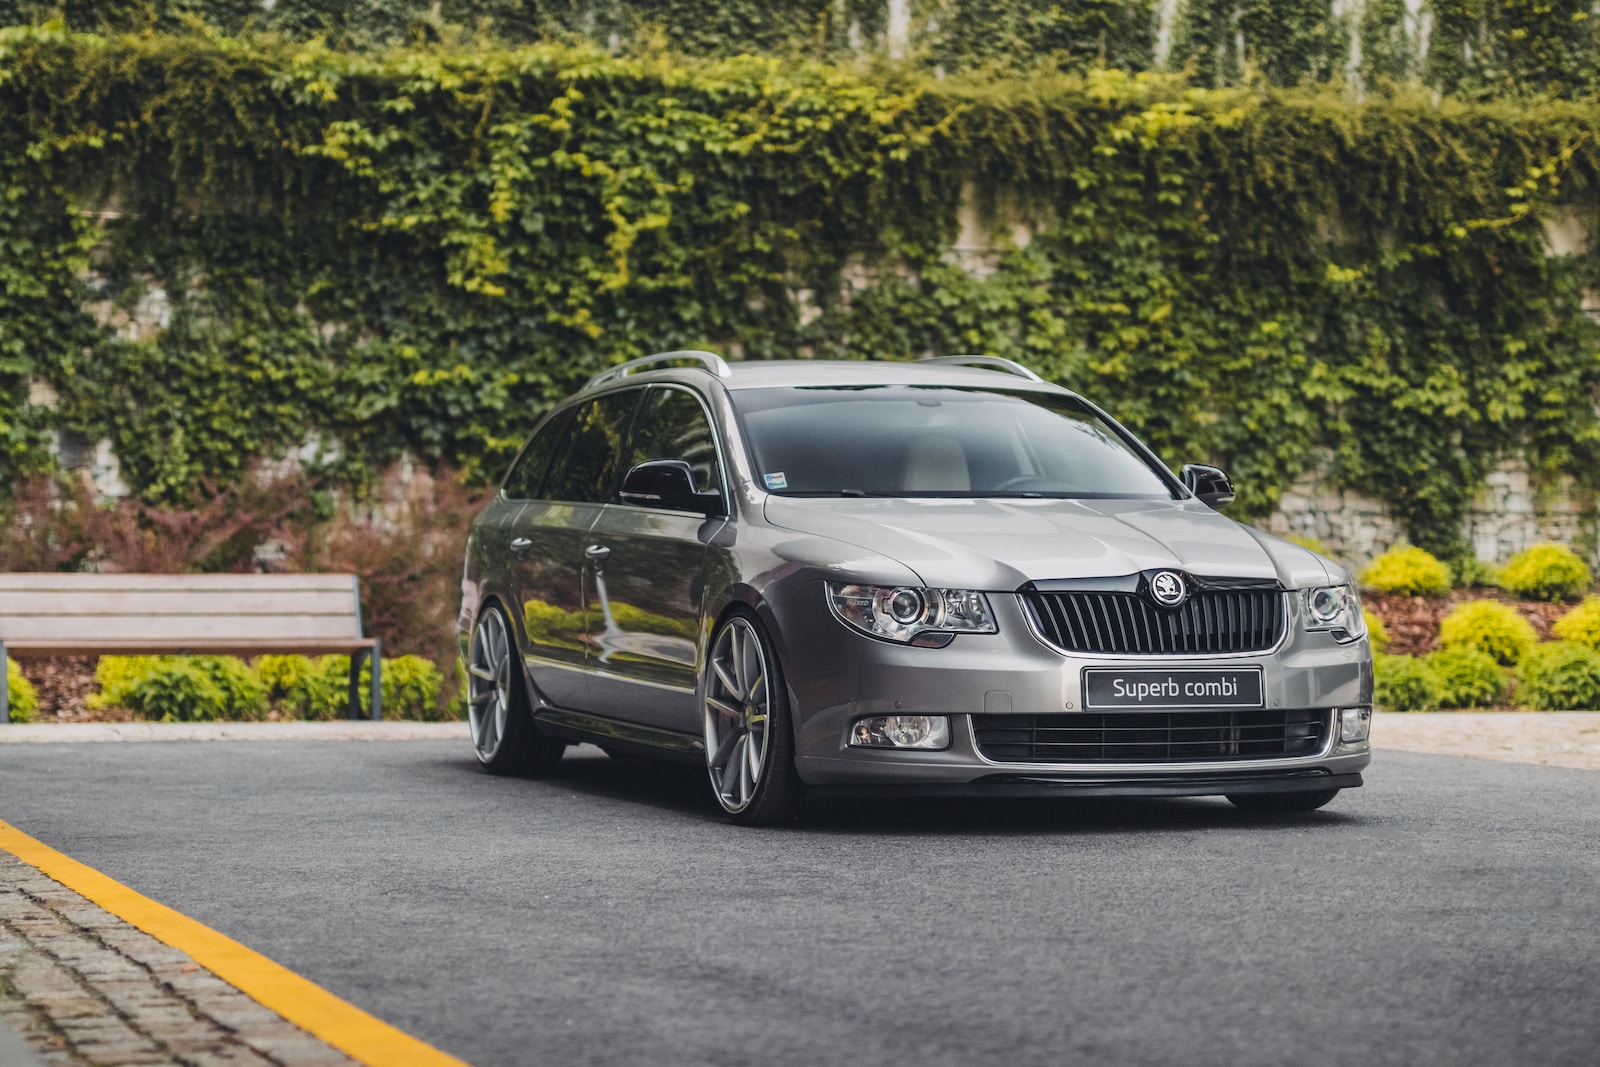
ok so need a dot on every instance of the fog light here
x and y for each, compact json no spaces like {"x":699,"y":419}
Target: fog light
{"x":901,"y":731}
{"x":1354,"y":723}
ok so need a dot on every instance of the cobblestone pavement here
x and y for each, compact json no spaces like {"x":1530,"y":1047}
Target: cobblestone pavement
{"x":1554,"y":738}
{"x":82,"y":987}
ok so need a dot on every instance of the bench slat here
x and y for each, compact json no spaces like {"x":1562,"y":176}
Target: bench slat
{"x":36,"y":582}
{"x":15,"y":604}
{"x":178,"y":628}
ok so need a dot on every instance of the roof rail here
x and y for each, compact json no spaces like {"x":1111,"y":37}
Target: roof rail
{"x":707,"y":360}
{"x":992,"y":362}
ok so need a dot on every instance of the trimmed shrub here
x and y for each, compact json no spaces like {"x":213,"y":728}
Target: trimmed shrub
{"x":1377,"y":632}
{"x":305,"y":688}
{"x":1408,"y":570}
{"x":1562,"y":676}
{"x":178,"y":690}
{"x":1469,"y":678}
{"x":243,"y":690}
{"x":24,"y":698}
{"x":1581,"y":624}
{"x":411,"y":688}
{"x":1546,"y":572}
{"x":1473,"y":573}
{"x":1405,"y":683}
{"x":118,"y":677}
{"x":1489,"y":626}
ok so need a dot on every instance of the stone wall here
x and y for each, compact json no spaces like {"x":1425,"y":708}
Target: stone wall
{"x":1511,"y":513}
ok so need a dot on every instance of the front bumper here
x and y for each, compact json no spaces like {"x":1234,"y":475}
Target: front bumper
{"x":837,"y":676}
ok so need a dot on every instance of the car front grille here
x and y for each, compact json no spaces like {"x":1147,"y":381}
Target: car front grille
{"x":1125,"y":624}
{"x":1150,"y":736}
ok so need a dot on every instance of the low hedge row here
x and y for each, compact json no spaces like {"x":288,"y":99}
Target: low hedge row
{"x":1489,"y":655}
{"x":1544,"y":572}
{"x":207,"y":688}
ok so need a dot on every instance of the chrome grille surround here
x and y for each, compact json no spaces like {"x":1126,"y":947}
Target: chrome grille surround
{"x":1118,"y":617}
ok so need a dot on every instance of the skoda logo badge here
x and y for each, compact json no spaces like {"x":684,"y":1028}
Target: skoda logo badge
{"x":1167,"y":589}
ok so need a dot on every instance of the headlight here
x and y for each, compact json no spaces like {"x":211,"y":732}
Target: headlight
{"x":1335,"y":608}
{"x":911,"y":615}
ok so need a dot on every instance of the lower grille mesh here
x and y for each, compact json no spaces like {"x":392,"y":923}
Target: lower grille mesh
{"x":1151,"y":737}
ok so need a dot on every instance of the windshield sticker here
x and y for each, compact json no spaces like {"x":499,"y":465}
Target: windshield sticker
{"x":777,"y":481}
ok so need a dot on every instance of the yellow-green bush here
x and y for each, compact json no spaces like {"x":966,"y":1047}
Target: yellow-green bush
{"x":1561,"y":676}
{"x":1405,"y":683}
{"x":1581,"y":624}
{"x":305,"y":688}
{"x":1546,"y":572}
{"x":180,"y":688}
{"x":24,"y":698}
{"x":1491,"y":627}
{"x":1469,"y":678}
{"x":1377,"y":632}
{"x":118,"y":676}
{"x":1474,"y":573}
{"x":1408,"y":570}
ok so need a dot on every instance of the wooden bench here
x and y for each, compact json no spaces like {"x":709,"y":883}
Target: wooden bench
{"x":185,"y":614}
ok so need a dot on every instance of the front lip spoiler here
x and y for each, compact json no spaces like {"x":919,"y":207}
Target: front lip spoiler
{"x":1041,"y":785}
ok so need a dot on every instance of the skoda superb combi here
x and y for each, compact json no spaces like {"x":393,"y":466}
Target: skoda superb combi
{"x":943,"y":577}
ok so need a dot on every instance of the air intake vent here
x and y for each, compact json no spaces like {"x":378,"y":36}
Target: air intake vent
{"x":1126,"y":624}
{"x":1151,"y":737}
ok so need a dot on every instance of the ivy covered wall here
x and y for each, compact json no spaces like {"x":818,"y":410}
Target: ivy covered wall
{"x":1471,"y":48}
{"x":416,"y":250}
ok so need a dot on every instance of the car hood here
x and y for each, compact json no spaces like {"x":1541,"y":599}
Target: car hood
{"x":1002,"y":544}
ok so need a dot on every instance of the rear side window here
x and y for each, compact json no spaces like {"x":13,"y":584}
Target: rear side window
{"x":527,"y":473}
{"x":584,"y":469}
{"x":673,"y":425}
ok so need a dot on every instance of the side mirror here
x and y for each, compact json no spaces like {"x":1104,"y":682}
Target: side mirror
{"x":1209,"y":484}
{"x":667,"y":484}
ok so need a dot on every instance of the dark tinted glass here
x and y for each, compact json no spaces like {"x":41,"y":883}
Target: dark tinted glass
{"x":938,"y":441}
{"x":585,"y":467}
{"x":673,"y":425}
{"x":527,"y":473}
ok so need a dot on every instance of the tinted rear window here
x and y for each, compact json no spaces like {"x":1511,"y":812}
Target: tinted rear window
{"x":897,"y":440}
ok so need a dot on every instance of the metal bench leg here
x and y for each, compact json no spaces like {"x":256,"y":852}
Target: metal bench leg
{"x":377,"y":680}
{"x":359,"y":656}
{"x":5,"y":685}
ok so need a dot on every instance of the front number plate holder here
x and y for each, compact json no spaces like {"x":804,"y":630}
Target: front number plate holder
{"x":1156,"y":689}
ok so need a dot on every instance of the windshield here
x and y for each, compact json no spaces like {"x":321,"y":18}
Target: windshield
{"x":917,"y":440}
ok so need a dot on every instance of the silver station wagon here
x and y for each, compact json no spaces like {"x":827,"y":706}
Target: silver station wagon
{"x":944,"y":577}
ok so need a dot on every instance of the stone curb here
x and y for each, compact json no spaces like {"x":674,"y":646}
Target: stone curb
{"x":82,"y":987}
{"x":338,"y":730}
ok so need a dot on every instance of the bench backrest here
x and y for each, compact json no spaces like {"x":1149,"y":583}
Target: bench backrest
{"x":87,"y":610}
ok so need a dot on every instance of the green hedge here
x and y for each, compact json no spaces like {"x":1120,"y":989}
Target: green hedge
{"x":419,"y":249}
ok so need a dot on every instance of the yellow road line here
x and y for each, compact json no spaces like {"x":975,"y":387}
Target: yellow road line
{"x":344,"y":1026}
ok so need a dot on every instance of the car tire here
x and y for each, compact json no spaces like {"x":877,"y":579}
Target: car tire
{"x":749,"y":741}
{"x":504,"y":735}
{"x":1282,"y":803}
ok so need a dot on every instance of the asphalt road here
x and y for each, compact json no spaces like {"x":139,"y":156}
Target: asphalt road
{"x":1447,"y":913}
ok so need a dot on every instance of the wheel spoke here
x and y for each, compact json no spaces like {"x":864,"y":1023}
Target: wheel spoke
{"x":481,"y":672}
{"x":483,"y":696}
{"x":728,"y":683}
{"x":731,"y":773}
{"x":746,"y":779}
{"x":719,"y":758}
{"x":725,"y":708}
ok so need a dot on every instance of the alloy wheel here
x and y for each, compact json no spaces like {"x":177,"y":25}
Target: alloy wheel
{"x":738,"y":710}
{"x":489,"y":684}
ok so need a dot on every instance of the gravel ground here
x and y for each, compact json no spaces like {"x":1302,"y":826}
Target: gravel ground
{"x":1554,"y":738}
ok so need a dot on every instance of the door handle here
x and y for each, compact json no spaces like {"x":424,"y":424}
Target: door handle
{"x":520,"y":546}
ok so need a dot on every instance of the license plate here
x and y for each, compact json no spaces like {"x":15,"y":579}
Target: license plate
{"x":1207,"y":687}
